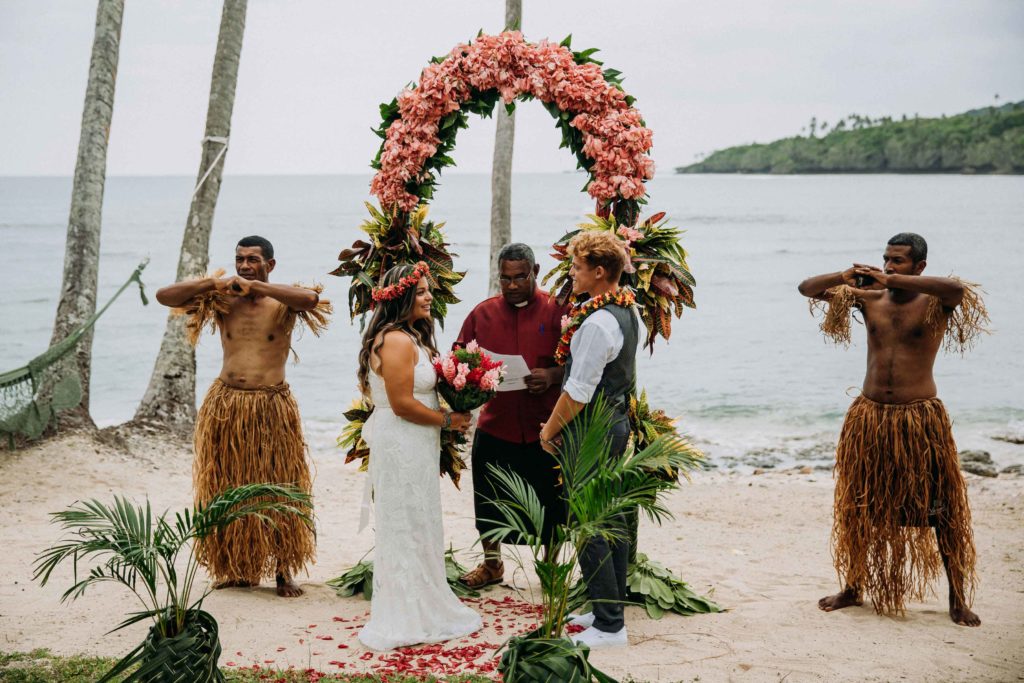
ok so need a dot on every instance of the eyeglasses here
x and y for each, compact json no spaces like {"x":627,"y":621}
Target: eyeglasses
{"x":517,"y":279}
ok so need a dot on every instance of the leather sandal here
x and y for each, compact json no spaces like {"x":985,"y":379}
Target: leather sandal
{"x":483,"y":576}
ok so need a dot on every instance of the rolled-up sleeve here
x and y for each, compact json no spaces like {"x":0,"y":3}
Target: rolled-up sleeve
{"x":593,"y":346}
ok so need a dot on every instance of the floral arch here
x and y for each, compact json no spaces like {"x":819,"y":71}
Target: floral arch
{"x":596,"y":117}
{"x":599,"y":125}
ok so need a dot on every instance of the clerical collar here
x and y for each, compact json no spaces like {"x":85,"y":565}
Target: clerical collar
{"x":522,"y":304}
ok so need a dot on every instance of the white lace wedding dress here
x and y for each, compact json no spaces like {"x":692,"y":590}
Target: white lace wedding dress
{"x":411,"y":601}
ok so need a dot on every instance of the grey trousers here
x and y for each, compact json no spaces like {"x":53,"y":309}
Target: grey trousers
{"x":604,"y":564}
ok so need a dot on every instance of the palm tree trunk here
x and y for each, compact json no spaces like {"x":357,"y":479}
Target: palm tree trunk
{"x":82,"y":248}
{"x":501,"y":170}
{"x":170,"y":398}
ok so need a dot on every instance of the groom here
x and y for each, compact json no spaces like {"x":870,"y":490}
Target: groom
{"x":601,"y":362}
{"x":523,"y":321}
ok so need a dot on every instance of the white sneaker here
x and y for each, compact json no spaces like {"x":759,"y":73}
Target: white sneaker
{"x":597,"y":639}
{"x":584,"y":620}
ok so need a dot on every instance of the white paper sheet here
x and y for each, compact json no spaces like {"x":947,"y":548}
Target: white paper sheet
{"x":515,"y":370}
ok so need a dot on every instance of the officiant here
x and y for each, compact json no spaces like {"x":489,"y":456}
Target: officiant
{"x":522,"y":321}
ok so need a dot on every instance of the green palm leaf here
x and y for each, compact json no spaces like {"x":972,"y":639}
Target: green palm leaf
{"x":124,"y":543}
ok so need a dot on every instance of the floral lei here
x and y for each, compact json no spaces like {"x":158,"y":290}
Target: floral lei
{"x":571,"y":323}
{"x":396,"y":290}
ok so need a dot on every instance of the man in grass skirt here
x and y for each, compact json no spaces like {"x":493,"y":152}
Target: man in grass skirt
{"x":248,"y":429}
{"x":897,"y":471}
{"x":522,"y":321}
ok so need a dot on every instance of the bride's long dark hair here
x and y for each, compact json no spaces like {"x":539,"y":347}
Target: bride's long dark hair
{"x":394,"y":314}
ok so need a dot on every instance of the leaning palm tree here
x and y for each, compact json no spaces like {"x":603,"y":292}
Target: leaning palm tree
{"x":501,"y":169}
{"x":170,"y":398}
{"x":155,"y":559}
{"x":82,"y":248}
{"x":599,"y":492}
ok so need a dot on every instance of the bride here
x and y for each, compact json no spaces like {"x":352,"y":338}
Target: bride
{"x":411,"y":600}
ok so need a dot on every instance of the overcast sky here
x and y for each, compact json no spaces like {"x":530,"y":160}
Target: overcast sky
{"x":706,"y":74}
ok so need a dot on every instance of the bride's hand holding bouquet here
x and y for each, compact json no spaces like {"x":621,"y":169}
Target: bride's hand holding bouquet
{"x":467,"y":378}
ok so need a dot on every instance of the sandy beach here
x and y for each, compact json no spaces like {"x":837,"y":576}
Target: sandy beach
{"x":759,"y":542}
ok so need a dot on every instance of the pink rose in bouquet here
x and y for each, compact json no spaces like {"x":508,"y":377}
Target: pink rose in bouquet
{"x":467,"y":378}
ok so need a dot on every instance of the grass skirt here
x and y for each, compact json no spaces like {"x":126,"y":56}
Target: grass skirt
{"x":897,"y":473}
{"x":248,"y":436}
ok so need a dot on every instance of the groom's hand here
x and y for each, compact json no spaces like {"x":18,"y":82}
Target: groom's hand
{"x":538,"y":381}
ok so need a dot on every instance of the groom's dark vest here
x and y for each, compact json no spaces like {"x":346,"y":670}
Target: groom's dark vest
{"x":619,"y":376}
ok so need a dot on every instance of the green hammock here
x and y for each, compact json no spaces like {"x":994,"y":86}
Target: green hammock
{"x":23,"y":410}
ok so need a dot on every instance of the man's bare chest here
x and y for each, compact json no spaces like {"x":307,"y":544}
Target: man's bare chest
{"x":899,"y":323}
{"x":254,"y":323}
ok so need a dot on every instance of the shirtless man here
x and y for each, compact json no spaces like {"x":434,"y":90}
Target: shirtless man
{"x":248,"y":429}
{"x":897,"y":471}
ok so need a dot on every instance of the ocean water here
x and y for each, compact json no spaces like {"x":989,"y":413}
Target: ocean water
{"x":747,"y":374}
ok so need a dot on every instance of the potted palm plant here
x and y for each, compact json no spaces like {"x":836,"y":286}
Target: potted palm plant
{"x":155,"y":559}
{"x":597,"y":491}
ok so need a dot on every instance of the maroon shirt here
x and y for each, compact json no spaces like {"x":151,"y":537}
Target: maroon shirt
{"x":532,"y":332}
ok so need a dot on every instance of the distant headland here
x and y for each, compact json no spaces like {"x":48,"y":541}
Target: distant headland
{"x":986,"y":140}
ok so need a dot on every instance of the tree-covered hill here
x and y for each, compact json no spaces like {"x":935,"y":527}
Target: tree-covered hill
{"x":989,"y":140}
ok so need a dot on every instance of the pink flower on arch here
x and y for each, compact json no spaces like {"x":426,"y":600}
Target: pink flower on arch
{"x":629,"y":234}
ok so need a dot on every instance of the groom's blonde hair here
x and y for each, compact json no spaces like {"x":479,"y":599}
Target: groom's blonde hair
{"x":600,"y":248}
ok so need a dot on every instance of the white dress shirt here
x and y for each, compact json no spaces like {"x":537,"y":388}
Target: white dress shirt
{"x":596,"y":343}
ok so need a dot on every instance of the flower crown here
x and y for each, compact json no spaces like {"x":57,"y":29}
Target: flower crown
{"x":398,"y":289}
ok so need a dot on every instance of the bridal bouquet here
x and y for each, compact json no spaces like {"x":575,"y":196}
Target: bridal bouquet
{"x":467,"y":378}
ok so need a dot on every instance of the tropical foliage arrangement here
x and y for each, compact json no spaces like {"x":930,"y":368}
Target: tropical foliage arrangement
{"x":647,"y":424}
{"x":987,"y":140}
{"x":453,"y":443}
{"x":392,"y":242}
{"x":141,"y":552}
{"x":359,"y":579}
{"x":659,"y":590}
{"x":351,"y":437}
{"x":657,"y":270}
{"x":597,"y":493}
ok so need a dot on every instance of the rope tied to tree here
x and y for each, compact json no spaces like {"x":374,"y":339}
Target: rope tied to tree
{"x":220,"y":140}
{"x":24,"y":409}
